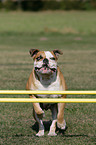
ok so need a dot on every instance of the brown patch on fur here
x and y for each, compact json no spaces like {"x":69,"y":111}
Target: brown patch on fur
{"x":33,"y":52}
{"x":54,"y":55}
{"x":31,"y":81}
{"x":40,"y":53}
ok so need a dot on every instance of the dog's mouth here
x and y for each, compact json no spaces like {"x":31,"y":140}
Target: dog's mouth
{"x":45,"y":69}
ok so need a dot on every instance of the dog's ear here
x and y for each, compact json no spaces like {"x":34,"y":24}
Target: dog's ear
{"x":33,"y":52}
{"x":57,"y":52}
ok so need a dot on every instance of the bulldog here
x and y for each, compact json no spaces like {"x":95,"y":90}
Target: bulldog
{"x":46,"y":75}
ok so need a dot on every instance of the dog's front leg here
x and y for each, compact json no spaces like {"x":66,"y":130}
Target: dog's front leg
{"x":54,"y":120}
{"x":37,"y":107}
{"x":40,"y":122}
{"x":60,"y":117}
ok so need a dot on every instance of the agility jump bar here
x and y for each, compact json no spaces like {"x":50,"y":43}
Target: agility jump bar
{"x":23,"y":92}
{"x":48,"y":100}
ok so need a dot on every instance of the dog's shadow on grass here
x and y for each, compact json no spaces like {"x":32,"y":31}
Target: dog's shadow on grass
{"x":47,"y":125}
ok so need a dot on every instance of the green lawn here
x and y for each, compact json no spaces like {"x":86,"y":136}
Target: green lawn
{"x":74,"y":33}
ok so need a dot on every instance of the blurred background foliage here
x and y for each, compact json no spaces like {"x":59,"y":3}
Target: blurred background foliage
{"x":39,"y":5}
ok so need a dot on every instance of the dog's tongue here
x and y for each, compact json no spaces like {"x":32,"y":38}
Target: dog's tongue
{"x":45,"y":69}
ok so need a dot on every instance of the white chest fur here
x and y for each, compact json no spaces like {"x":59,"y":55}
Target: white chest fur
{"x":54,"y":86}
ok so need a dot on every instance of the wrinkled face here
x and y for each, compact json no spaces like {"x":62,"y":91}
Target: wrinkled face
{"x":45,"y":62}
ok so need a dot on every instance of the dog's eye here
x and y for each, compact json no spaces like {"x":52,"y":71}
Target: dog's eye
{"x":38,"y":58}
{"x":52,"y":58}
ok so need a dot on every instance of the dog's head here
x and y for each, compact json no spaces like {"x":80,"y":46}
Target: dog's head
{"x":45,"y":62}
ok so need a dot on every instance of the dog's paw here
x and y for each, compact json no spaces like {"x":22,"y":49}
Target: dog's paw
{"x":52,"y":134}
{"x":40,"y":116}
{"x":62,"y":126}
{"x":39,"y":112}
{"x":40,"y":133}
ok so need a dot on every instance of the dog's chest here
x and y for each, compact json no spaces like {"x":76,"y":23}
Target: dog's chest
{"x":54,"y":86}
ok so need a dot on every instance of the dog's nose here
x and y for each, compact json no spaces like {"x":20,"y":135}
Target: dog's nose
{"x":45,"y":61}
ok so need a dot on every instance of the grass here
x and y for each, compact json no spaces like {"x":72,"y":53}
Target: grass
{"x":75,"y":34}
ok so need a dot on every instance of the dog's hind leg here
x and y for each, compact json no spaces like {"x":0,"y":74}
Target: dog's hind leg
{"x":60,"y":117}
{"x":54,"y":120}
{"x":38,"y":118}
